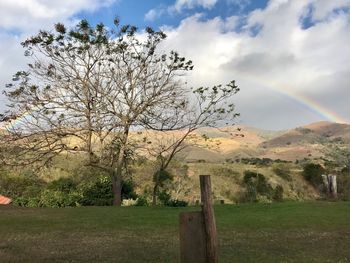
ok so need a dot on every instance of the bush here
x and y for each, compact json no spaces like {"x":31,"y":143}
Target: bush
{"x":250,"y":195}
{"x":99,"y":192}
{"x":263,"y":199}
{"x":20,"y":201}
{"x":262,"y":186}
{"x":32,"y":191}
{"x":278,"y":193}
{"x":33,"y":202}
{"x":16,"y":185}
{"x":177,"y":203}
{"x":166,"y":200}
{"x":257,"y":161}
{"x":63,"y":184}
{"x":256,"y":185}
{"x":50,"y":198}
{"x":258,"y":181}
{"x":128,"y":190}
{"x":313,"y":174}
{"x":224,"y":171}
{"x":141,"y":201}
{"x":282,"y":171}
{"x":248,"y":176}
{"x":129,"y":202}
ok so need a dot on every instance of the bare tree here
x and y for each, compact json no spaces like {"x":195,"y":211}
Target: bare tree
{"x":85,"y":90}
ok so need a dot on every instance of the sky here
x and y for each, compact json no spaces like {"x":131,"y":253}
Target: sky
{"x":290,"y":58}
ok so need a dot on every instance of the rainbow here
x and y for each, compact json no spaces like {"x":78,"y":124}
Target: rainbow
{"x":16,"y":123}
{"x":298,"y":98}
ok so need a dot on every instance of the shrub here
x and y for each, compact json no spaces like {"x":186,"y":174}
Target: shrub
{"x":256,"y":185}
{"x":20,"y":201}
{"x":224,"y":171}
{"x":128,"y":190}
{"x":141,"y":201}
{"x":32,"y":191}
{"x":166,"y":200}
{"x":63,"y":184}
{"x":51,"y":198}
{"x":257,"y":161}
{"x":258,"y":181}
{"x":16,"y":185}
{"x":263,"y":199}
{"x":129,"y":202}
{"x":262,"y":186}
{"x":98,"y":192}
{"x":33,"y":202}
{"x":249,"y":195}
{"x":177,"y":203}
{"x":313,"y":173}
{"x":248,"y":176}
{"x":282,"y":171}
{"x":278,"y":193}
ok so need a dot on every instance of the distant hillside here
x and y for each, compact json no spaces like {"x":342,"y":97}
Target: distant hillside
{"x":299,"y":143}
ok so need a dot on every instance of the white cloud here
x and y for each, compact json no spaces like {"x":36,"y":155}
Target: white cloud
{"x":240,"y":3}
{"x":189,"y":4}
{"x":274,"y":63}
{"x":26,"y":17}
{"x":324,"y":8}
{"x":154,"y":14}
{"x":178,"y":7}
{"x":31,"y":14}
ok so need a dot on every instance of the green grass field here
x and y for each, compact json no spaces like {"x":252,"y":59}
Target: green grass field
{"x":281,"y":232}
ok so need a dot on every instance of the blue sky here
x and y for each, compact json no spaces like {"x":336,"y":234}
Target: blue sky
{"x":289,"y":57}
{"x":135,"y":12}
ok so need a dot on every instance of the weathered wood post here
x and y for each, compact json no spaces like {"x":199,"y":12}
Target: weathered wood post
{"x":192,"y":238}
{"x":198,"y":236}
{"x":209,"y":219}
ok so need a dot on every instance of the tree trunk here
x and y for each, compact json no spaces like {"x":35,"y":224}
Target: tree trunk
{"x":118,"y":175}
{"x":156,"y":180}
{"x":155,"y":194}
{"x":117,"y":190}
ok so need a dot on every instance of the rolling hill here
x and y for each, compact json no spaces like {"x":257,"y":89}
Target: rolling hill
{"x":236,"y":142}
{"x":302,"y":142}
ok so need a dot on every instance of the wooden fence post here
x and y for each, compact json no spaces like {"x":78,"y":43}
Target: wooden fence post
{"x":209,"y":219}
{"x":198,"y":236}
{"x":192,"y":238}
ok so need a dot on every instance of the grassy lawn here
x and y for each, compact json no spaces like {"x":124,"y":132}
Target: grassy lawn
{"x":283,"y":232}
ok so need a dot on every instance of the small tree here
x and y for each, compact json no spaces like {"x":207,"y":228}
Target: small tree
{"x":208,"y":107}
